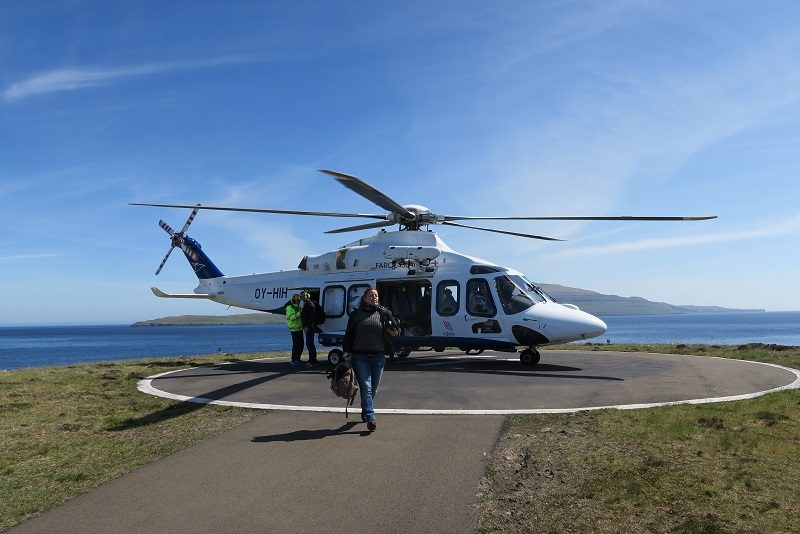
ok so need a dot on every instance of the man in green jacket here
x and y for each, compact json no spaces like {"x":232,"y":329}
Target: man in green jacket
{"x":295,"y":325}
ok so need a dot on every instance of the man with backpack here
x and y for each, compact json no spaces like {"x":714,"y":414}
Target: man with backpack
{"x":310,"y":320}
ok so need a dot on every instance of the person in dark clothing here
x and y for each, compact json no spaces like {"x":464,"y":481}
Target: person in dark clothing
{"x":368,"y":339}
{"x":308,"y":318}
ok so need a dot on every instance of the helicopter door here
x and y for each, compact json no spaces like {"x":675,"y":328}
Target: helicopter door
{"x":410,"y":302}
{"x":446,"y":322}
{"x":481,"y":317}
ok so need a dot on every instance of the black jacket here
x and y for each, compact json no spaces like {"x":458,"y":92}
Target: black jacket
{"x":359,"y":314}
{"x":309,"y":314}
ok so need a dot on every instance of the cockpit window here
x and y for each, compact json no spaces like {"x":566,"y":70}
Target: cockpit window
{"x":513,"y":295}
{"x":533,"y":289}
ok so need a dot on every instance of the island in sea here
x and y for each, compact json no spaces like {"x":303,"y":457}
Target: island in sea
{"x":589,"y":301}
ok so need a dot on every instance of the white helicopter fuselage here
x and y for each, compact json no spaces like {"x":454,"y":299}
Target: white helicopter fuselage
{"x":441,"y":297}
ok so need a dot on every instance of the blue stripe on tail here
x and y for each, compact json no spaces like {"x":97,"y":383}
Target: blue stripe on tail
{"x":202,"y":265}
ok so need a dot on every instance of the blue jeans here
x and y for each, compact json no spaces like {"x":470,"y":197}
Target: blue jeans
{"x":369,"y":369}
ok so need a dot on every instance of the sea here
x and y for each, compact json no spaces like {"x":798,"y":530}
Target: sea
{"x":36,"y":346}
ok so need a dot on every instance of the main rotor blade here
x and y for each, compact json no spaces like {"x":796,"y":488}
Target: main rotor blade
{"x":261,"y":210}
{"x":370,"y":193}
{"x":609,"y":218}
{"x":361,"y":227}
{"x":501,"y":231}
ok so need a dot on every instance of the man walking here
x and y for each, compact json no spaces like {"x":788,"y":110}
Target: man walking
{"x":295,"y":324}
{"x":309,"y":320}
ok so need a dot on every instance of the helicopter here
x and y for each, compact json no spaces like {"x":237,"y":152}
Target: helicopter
{"x":441,"y":298}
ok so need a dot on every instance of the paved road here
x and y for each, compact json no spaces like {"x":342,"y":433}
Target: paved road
{"x":287,"y":472}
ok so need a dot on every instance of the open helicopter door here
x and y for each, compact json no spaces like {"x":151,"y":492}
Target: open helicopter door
{"x":410,"y":303}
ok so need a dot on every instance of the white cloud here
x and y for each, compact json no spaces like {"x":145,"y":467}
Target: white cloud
{"x":77,"y":78}
{"x":19,"y":257}
{"x":580,"y":24}
{"x":772,"y":229}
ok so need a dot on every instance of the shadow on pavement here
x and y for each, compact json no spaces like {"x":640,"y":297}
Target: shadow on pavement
{"x":197,"y":402}
{"x":305,"y":435}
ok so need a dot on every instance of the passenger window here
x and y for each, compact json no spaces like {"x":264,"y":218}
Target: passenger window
{"x":479,"y":300}
{"x":354,"y":296}
{"x":333,"y":301}
{"x":447,"y":297}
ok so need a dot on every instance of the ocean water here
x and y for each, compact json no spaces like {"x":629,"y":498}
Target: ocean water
{"x":61,"y":345}
{"x":34,"y":346}
{"x":779,"y":328}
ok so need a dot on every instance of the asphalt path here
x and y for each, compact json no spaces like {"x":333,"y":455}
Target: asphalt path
{"x":300,"y":470}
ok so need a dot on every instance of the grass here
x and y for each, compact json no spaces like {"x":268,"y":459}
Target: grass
{"x":713,"y":468}
{"x":64,"y":430}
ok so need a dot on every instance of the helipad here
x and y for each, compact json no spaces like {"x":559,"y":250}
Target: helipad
{"x":492,"y":383}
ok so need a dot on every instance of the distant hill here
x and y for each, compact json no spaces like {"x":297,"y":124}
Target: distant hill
{"x":589,"y":301}
{"x":191,"y":320}
{"x":600,"y":304}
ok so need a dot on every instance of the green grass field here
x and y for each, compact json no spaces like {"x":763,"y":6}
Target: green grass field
{"x":64,"y":430}
{"x":712,"y":468}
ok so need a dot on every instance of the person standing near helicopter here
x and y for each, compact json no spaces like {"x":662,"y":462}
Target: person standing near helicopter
{"x":368,"y":340}
{"x":309,"y":319}
{"x":295,"y":324}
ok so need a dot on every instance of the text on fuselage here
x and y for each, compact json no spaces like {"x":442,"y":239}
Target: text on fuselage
{"x":275,"y":292}
{"x":404,"y":263}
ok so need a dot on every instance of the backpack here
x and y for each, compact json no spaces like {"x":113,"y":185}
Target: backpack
{"x":319,"y":314}
{"x":344,"y":383}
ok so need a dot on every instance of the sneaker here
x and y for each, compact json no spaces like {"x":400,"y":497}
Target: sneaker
{"x":371,"y":425}
{"x":297,"y":362}
{"x":309,"y":365}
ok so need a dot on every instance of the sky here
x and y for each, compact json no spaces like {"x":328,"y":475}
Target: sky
{"x":579,"y":108}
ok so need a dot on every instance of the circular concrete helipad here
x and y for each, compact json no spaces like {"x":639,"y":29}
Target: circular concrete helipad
{"x":492,"y":383}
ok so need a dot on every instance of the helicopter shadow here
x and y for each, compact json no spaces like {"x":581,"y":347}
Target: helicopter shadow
{"x":267,"y":372}
{"x":276,"y":369}
{"x":493,"y":367}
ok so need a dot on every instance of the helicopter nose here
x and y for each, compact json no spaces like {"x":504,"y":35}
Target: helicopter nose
{"x":592,"y":326}
{"x":566,"y":323}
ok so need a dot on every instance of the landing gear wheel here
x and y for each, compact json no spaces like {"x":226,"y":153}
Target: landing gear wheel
{"x":402,"y":353}
{"x":335,"y":357}
{"x":529,"y":357}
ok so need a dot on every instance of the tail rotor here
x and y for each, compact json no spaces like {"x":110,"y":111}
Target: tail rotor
{"x":176,"y":238}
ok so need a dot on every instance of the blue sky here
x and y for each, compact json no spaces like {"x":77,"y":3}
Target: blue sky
{"x":469,"y":108}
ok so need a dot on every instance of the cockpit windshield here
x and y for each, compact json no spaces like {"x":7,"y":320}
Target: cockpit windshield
{"x":533,"y":288}
{"x":514,"y":294}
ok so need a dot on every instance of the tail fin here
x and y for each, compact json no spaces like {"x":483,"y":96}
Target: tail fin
{"x":203,"y":267}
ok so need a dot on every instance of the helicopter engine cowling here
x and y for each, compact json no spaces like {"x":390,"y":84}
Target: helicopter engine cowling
{"x":418,"y":253}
